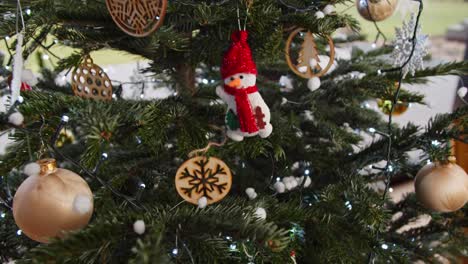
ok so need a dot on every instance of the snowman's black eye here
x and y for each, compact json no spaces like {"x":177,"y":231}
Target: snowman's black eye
{"x":242,"y":76}
{"x":232,"y":78}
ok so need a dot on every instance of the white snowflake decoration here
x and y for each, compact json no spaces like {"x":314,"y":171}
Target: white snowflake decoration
{"x":404,"y":45}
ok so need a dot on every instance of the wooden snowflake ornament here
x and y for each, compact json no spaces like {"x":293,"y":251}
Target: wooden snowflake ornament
{"x":90,"y":81}
{"x":202,"y":176}
{"x":138,"y":18}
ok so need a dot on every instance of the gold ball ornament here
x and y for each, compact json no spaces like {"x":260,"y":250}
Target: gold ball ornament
{"x":386,"y":106}
{"x":442,"y":187}
{"x":376,"y":10}
{"x":51,"y":203}
{"x":201,"y":177}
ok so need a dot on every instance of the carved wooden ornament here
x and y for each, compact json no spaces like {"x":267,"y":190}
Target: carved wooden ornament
{"x":90,"y":81}
{"x":308,"y":53}
{"x":138,"y":18}
{"x":201,"y":177}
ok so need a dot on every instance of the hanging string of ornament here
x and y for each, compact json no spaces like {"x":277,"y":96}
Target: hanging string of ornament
{"x":388,"y":169}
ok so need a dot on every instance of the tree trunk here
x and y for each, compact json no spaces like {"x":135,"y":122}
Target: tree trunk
{"x":186,"y":79}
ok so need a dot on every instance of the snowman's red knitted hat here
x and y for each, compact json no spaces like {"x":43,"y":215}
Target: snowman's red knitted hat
{"x":238,"y":58}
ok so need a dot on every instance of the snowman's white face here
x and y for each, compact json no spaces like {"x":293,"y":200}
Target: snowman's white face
{"x":241,"y":80}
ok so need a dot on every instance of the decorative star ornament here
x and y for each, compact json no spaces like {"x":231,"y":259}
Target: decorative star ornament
{"x":403,"y":46}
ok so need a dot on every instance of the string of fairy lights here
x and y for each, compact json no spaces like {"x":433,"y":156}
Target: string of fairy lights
{"x":388,"y":169}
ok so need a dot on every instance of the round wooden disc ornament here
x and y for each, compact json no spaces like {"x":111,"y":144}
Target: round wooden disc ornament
{"x":138,"y":18}
{"x":442,"y":187}
{"x":376,"y":10}
{"x":51,"y":203}
{"x":90,"y":81}
{"x":308,"y":61}
{"x":201,"y":177}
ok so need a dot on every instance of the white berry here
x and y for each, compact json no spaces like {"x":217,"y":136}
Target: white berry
{"x":139,"y":227}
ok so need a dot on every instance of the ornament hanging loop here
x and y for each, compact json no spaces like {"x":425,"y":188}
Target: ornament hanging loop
{"x":210,"y":144}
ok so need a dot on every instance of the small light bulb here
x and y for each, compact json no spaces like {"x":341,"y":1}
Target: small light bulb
{"x":232,"y":247}
{"x":435,"y":143}
{"x":65,"y":119}
{"x":371,"y":130}
{"x":28,"y":11}
{"x":307,"y":172}
{"x":228,"y":238}
{"x":428,"y":161}
{"x":390,"y":168}
{"x":374,"y":45}
{"x":384,"y":246}
{"x":114,"y":96}
{"x":104,"y":156}
{"x":20,"y":99}
{"x":390,"y":189}
{"x":205,"y":81}
{"x":278,"y":179}
{"x":379,"y":72}
{"x":2,"y":215}
{"x":7,"y":38}
{"x":56,"y":41}
{"x":45,"y":57}
{"x":7,"y":67}
{"x":175,"y":251}
{"x":142,"y":185}
{"x":19,"y":232}
{"x":142,"y":95}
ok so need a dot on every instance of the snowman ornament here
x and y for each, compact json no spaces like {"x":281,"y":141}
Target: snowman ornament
{"x":247,"y":114}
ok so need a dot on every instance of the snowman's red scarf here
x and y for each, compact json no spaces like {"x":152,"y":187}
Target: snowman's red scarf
{"x":247,"y":121}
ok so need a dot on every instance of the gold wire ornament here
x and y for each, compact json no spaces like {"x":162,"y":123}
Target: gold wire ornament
{"x":90,"y":81}
{"x":137,"y":18}
{"x":308,"y":53}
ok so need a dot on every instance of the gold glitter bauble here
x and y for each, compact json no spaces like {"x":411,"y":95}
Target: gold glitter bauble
{"x":50,"y":204}
{"x":386,"y":105}
{"x":201,"y":177}
{"x":379,"y":9}
{"x":442,"y":187}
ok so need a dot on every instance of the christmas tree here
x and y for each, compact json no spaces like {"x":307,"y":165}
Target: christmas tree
{"x":178,"y":180}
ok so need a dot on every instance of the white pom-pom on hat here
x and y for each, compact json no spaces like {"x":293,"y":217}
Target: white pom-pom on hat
{"x":260,"y":213}
{"x":462,"y":92}
{"x":32,"y":169}
{"x":139,"y":227}
{"x":302,"y":69}
{"x":16,"y":119}
{"x":319,"y":15}
{"x":314,"y":83}
{"x":82,"y":204}
{"x":251,"y":193}
{"x":202,"y":202}
{"x":328,"y":9}
{"x":279,"y":187}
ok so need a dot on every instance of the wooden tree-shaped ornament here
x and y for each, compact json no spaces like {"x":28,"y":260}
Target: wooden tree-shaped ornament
{"x":308,"y":60}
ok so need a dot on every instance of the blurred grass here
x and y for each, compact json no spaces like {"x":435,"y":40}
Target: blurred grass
{"x":437,"y":16}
